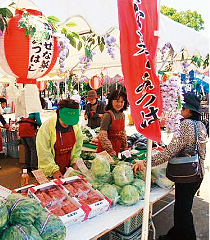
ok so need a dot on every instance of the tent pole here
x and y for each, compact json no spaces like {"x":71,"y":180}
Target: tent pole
{"x":145,"y":221}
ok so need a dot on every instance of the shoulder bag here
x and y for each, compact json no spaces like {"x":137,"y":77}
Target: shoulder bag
{"x":185,"y":169}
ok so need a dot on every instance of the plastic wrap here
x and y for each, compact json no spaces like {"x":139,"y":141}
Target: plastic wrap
{"x":160,"y":174}
{"x":50,"y":227}
{"x":110,"y":191}
{"x":4,"y":216}
{"x":22,"y":210}
{"x":119,"y":189}
{"x":19,"y":232}
{"x":123,"y":174}
{"x":140,"y":185}
{"x":100,"y":167}
{"x":98,"y":183}
{"x":129,"y":195}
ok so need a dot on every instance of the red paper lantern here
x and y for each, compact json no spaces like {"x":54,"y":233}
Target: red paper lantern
{"x":96,"y":82}
{"x":23,"y":57}
{"x":41,"y":85}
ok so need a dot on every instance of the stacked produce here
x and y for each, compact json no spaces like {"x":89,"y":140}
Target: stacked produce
{"x":90,"y":135}
{"x":24,"y":218}
{"x":119,"y":185}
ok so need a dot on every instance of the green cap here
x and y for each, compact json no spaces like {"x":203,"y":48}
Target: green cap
{"x":69,"y":116}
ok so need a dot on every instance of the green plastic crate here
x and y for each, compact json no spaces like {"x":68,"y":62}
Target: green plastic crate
{"x":118,"y":236}
{"x":131,"y":225}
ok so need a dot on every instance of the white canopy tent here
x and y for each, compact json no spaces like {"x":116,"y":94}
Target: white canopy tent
{"x":101,"y":17}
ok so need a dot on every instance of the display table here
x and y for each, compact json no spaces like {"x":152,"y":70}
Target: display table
{"x":101,"y":224}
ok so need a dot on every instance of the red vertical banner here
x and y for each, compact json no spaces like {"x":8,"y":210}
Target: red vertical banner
{"x":138,"y":19}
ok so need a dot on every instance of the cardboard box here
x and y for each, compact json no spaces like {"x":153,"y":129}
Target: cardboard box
{"x":4,"y":192}
{"x":23,"y":190}
{"x":76,"y":216}
{"x":96,"y":208}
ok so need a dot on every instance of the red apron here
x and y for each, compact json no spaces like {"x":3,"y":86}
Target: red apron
{"x":115,"y":134}
{"x":27,"y":127}
{"x":63,"y":147}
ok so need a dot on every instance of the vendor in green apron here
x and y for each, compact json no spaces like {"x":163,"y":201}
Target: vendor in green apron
{"x":59,"y":140}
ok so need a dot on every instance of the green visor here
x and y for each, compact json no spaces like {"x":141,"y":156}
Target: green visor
{"x":69,"y":116}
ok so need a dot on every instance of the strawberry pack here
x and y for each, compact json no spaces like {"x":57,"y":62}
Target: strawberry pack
{"x":55,"y":200}
{"x":91,"y":199}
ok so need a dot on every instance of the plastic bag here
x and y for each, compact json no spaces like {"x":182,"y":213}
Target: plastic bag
{"x":19,"y":232}
{"x":123,"y":174}
{"x":160,"y":175}
{"x":22,"y":210}
{"x":100,"y":167}
{"x":50,"y":227}
{"x":140,"y":185}
{"x":110,"y":191}
{"x":129,"y":195}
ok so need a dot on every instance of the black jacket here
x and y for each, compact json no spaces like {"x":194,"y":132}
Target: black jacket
{"x":93,"y":117}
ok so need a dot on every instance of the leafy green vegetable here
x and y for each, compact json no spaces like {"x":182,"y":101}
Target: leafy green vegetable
{"x":50,"y":227}
{"x":129,"y":195}
{"x":123,"y":174}
{"x":19,"y":232}
{"x":119,"y":189}
{"x":22,"y":210}
{"x":110,"y":191}
{"x":100,"y":167}
{"x":87,"y":156}
{"x":140,"y":185}
{"x":4,"y":216}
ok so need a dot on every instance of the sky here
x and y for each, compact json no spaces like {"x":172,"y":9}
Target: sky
{"x":201,"y":6}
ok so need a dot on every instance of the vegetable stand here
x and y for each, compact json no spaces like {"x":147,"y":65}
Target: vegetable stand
{"x":117,"y":215}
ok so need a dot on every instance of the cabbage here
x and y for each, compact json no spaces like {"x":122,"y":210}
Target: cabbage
{"x":129,"y":195}
{"x":22,"y":210}
{"x":4,"y":216}
{"x":100,"y":167}
{"x":123,"y":174}
{"x":110,"y":191}
{"x":118,"y":188}
{"x":98,"y":183}
{"x":140,"y":185}
{"x":50,"y":227}
{"x":19,"y":232}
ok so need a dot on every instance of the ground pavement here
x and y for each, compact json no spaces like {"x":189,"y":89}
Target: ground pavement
{"x":11,"y":170}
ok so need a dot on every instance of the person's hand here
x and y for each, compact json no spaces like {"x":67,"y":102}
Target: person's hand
{"x":57,"y":174}
{"x":86,"y":117}
{"x":100,"y":115}
{"x":139,"y":165}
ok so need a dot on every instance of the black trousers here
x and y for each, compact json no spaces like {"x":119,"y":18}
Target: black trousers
{"x":31,"y":159}
{"x":183,"y":228}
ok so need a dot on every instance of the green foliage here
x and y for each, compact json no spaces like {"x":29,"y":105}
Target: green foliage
{"x":53,"y":19}
{"x":188,"y":18}
{"x":5,"y":14}
{"x":200,"y":62}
